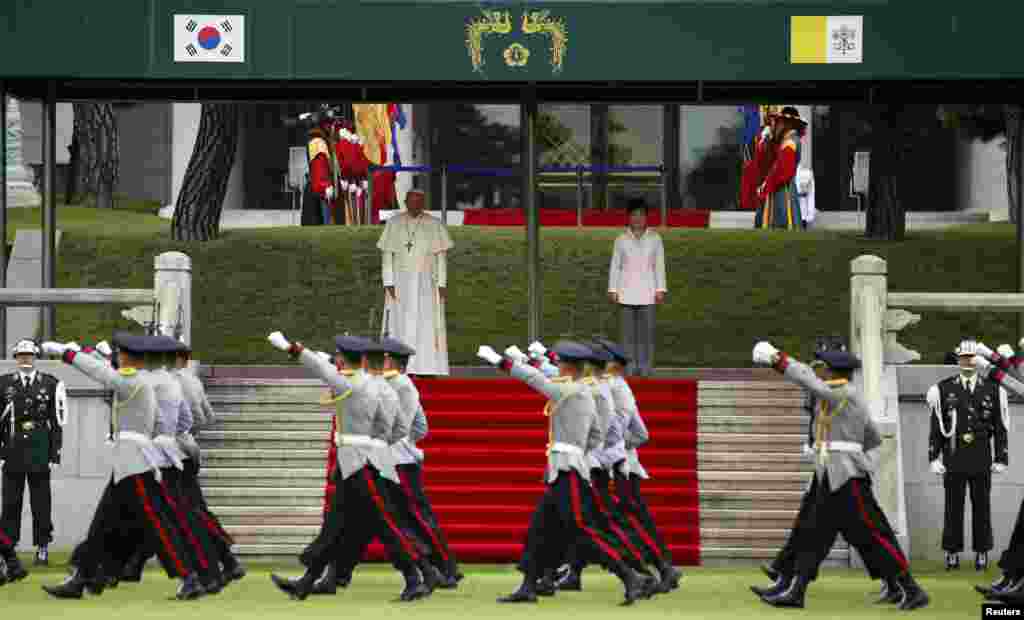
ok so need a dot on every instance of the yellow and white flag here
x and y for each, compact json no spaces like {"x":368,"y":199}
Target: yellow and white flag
{"x":818,"y":39}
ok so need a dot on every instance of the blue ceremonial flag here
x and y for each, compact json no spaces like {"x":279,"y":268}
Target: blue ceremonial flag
{"x":751,"y":122}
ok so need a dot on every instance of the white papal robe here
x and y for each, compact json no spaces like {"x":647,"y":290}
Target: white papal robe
{"x":415,"y":263}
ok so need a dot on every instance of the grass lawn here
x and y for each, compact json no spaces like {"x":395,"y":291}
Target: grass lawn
{"x":707,"y":593}
{"x":727,"y":289}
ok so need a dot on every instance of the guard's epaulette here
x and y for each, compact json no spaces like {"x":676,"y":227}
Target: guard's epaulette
{"x":789,"y":144}
{"x":347,"y":372}
{"x":391,"y":374}
{"x":127,"y":372}
{"x":589,"y":381}
{"x":561,"y":379}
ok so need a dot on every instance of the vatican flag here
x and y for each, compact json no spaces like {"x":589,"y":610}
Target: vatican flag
{"x":819,"y":39}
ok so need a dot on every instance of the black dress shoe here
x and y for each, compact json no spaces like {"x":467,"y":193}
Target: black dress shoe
{"x":635,"y":589}
{"x":133,"y":568}
{"x":432,"y":578}
{"x":414,"y":591}
{"x":793,"y":596}
{"x":15,"y":571}
{"x":233,"y":569}
{"x":73,"y":587}
{"x":190,"y":589}
{"x":770,"y":572}
{"x":3,"y":572}
{"x":42,"y":557}
{"x":776,"y":588}
{"x":519,"y":596}
{"x":914,"y":597}
{"x":448,"y":583}
{"x":297,"y":589}
{"x":952,"y":561}
{"x":890,"y":594}
{"x":650,"y":586}
{"x":344,"y":580}
{"x":546,"y":587}
{"x":328,"y":584}
{"x":570,"y":581}
{"x":981,"y":561}
{"x":213,"y":585}
{"x":670,"y":576}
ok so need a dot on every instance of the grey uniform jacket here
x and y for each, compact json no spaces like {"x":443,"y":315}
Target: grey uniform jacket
{"x":133,"y":417}
{"x":852,"y":426}
{"x":202,"y":413}
{"x":605,"y":410}
{"x":174,"y":417}
{"x":573,"y":421}
{"x":363,"y":425}
{"x":614,"y":449}
{"x":634,"y":430}
{"x":405,"y":450}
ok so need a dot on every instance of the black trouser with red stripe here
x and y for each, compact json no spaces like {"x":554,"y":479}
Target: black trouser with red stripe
{"x":565,"y":517}
{"x":210,"y":543}
{"x":416,"y":519}
{"x":636,"y":512}
{"x":136,"y":504}
{"x":803,"y":527}
{"x":639,"y":545}
{"x":361,"y":510}
{"x":853,"y":512}
{"x":1012,"y":560}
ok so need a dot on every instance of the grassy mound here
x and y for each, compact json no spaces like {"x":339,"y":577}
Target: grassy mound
{"x":727,"y":289}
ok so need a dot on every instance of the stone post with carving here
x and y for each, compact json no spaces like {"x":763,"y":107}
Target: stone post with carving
{"x":20,"y":191}
{"x":872,"y":328}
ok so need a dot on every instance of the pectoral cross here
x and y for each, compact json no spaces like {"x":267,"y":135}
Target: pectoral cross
{"x":408,"y":246}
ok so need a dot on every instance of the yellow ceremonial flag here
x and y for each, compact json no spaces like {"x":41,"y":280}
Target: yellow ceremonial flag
{"x":819,"y":39}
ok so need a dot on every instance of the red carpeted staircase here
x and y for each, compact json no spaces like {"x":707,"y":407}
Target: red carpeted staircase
{"x":485,"y":457}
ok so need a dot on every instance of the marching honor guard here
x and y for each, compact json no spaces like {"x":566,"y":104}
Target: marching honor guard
{"x":969,"y":417}
{"x":359,"y":508}
{"x":843,"y":502}
{"x":132,"y":500}
{"x":565,"y":508}
{"x":34,"y":410}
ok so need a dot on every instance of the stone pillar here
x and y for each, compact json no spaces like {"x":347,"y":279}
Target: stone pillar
{"x":20,"y":191}
{"x":869,"y":324}
{"x":174,"y":271}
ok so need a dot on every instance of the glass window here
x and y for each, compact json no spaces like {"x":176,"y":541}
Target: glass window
{"x":711,"y":156}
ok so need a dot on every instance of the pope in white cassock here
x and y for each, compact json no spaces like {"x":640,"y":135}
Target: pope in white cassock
{"x":413,"y":248}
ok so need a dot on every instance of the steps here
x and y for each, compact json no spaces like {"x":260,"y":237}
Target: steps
{"x":751,"y":475}
{"x":726,"y":476}
{"x":264,"y":462}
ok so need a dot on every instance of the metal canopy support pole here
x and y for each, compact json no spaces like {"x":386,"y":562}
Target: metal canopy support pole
{"x":3,"y":212}
{"x":528,"y":128}
{"x":444,"y":194}
{"x":579,"y":196}
{"x":670,"y":156}
{"x":48,"y":312}
{"x":664,"y":197}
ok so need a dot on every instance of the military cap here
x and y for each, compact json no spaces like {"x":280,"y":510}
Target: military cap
{"x":599,"y":354}
{"x":25,"y":346}
{"x":615,"y":350}
{"x":353,"y":344}
{"x":570,"y":351}
{"x":393,"y":346}
{"x":838,"y":360}
{"x":132,"y":343}
{"x":183,"y":347}
{"x":164,"y":344}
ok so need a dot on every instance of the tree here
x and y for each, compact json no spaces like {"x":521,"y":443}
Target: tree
{"x":478,"y":142}
{"x":714,"y":180}
{"x":201,"y":199}
{"x":96,"y":153}
{"x":886,"y":214}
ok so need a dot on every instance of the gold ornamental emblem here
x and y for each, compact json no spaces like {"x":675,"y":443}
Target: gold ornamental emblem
{"x":516,"y":55}
{"x":968,"y":437}
{"x":28,"y":425}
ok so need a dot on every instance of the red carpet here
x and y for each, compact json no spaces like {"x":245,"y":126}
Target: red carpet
{"x":677,"y":218}
{"x":485,"y":463}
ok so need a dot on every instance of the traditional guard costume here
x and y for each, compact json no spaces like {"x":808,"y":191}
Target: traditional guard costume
{"x":967,"y":422}
{"x":133,"y":500}
{"x":34,"y":408}
{"x":843,"y":502}
{"x":565,"y":514}
{"x":360,"y":509}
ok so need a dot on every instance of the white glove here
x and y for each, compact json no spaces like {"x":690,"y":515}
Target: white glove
{"x":325,"y":357}
{"x":329,"y":192}
{"x":984,"y":351}
{"x":104,"y":348}
{"x":998,"y":468}
{"x":278,"y":340}
{"x":537,"y":349}
{"x":73,"y":346}
{"x":764,"y":352}
{"x":1005,"y":350}
{"x":982,"y":365}
{"x":1020,"y":344}
{"x":490,"y":355}
{"x":808,"y":452}
{"x":52,"y":348}
{"x":938,"y":468}
{"x":766,"y":133}
{"x":516,"y":354}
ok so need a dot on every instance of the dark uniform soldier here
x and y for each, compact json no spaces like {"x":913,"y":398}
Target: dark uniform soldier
{"x":969,"y":415}
{"x":34,"y":406}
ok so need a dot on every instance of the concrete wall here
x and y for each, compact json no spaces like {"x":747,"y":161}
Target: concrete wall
{"x":83,"y":473}
{"x":982,"y":184}
{"x":32,"y":132}
{"x":146,"y":135}
{"x":185,"y":127}
{"x":924,"y":492}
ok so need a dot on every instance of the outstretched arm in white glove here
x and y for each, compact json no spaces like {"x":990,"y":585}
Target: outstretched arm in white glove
{"x":937,"y":467}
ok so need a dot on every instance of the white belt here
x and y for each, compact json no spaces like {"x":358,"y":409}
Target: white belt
{"x":566,"y":448}
{"x":844,"y":446}
{"x":133,"y":436}
{"x":141,"y":440}
{"x":363,"y":441}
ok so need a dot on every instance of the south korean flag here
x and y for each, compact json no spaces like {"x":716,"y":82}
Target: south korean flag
{"x":209,"y":38}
